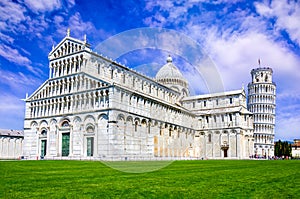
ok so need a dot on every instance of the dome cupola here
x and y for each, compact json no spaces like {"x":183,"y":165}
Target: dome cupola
{"x":169,"y":75}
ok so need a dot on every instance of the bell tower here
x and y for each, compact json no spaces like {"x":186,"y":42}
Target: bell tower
{"x":262,"y":103}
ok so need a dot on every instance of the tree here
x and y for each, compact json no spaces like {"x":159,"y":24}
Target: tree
{"x":283,"y":149}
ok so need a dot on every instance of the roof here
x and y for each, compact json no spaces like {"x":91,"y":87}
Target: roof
{"x":223,"y":110}
{"x":169,"y":71}
{"x":211,"y":95}
{"x":11,"y":133}
{"x":296,"y":143}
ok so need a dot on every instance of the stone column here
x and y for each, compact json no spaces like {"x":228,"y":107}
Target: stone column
{"x":71,"y":104}
{"x":229,"y":150}
{"x":71,"y":141}
{"x":238,"y":144}
{"x":65,"y":66}
{"x":72,"y":85}
{"x":64,"y":86}
{"x":68,"y":86}
{"x":50,"y":72}
{"x":220,"y":144}
{"x":213,"y":144}
{"x":96,"y":140}
{"x":74,"y":66}
{"x":82,"y":82}
{"x":204,"y":145}
{"x":54,"y":71}
{"x":54,"y":108}
{"x":37,"y":109}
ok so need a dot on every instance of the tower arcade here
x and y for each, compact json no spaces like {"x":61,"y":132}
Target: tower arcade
{"x":261,"y":102}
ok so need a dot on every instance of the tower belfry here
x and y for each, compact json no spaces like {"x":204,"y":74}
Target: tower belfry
{"x":261,"y":102}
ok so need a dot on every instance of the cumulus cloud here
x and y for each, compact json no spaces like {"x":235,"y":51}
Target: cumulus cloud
{"x":78,"y":26}
{"x":19,"y":82}
{"x":11,"y":111}
{"x":9,"y":20}
{"x":241,"y":53}
{"x":288,"y":120}
{"x":10,"y":103}
{"x":236,"y":38}
{"x":286,"y":15}
{"x":43,"y":5}
{"x":27,"y":25}
{"x":13,"y":55}
{"x":238,"y":55}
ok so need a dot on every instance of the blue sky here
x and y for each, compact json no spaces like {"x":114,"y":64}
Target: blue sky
{"x":234,"y":35}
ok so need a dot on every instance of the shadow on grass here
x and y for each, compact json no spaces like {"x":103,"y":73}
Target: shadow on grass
{"x":137,"y":166}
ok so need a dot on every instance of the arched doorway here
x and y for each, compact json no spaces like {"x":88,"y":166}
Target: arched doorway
{"x":90,"y":141}
{"x":225,"y":148}
{"x":65,"y":141}
{"x":43,"y":138}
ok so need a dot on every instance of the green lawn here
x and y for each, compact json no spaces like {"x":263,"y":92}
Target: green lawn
{"x":181,"y":179}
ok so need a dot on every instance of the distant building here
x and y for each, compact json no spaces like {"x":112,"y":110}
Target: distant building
{"x":11,"y":143}
{"x":92,"y":106}
{"x":296,"y":148}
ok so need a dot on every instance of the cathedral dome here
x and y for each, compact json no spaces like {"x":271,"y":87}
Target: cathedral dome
{"x":169,"y":71}
{"x":170,"y":76}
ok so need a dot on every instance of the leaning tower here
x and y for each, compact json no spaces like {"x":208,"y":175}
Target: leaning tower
{"x":261,"y":102}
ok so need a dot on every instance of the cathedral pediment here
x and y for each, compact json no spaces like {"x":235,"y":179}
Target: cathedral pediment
{"x":67,"y":47}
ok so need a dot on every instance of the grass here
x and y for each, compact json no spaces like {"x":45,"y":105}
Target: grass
{"x":181,"y":179}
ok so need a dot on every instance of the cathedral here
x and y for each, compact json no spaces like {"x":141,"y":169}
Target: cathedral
{"x":93,"y":107}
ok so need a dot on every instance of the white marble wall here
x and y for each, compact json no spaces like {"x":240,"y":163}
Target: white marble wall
{"x":10,"y":147}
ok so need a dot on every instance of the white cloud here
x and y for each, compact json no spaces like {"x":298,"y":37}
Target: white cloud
{"x":71,"y":3}
{"x":11,"y":14}
{"x":58,"y":20}
{"x":43,"y":5}
{"x":288,"y":120}
{"x":18,"y":82}
{"x":10,"y":103}
{"x":11,"y":111}
{"x":78,"y":26}
{"x":288,"y":128}
{"x":235,"y":56}
{"x":240,"y":54}
{"x":6,"y":38}
{"x":237,"y":39}
{"x":286,"y":15}
{"x":13,"y":55}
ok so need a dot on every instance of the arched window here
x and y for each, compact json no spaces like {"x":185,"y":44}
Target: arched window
{"x":90,"y":129}
{"x":44,"y":132}
{"x":135,"y":126}
{"x":65,"y":124}
{"x":209,"y":137}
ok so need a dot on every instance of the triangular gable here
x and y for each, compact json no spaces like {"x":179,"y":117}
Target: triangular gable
{"x":37,"y":91}
{"x":66,"y":46}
